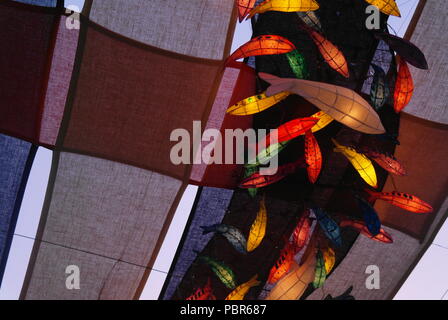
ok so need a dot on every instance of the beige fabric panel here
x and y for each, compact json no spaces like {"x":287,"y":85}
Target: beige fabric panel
{"x":430,"y":99}
{"x":393,"y":261}
{"x":195,"y":27}
{"x":102,"y":212}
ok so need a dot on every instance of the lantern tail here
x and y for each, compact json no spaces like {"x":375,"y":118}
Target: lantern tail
{"x":372,"y":194}
{"x":208,"y":229}
{"x":253,"y":282}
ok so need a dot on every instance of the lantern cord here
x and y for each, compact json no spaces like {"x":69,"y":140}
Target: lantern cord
{"x":393,"y":182}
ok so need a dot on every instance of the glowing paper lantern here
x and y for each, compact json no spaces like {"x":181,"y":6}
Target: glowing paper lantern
{"x":324,"y":120}
{"x":331,"y":54}
{"x":232,"y":234}
{"x":257,"y":180}
{"x":388,"y":7}
{"x":202,"y":293}
{"x":313,"y":156}
{"x":360,"y":226}
{"x":371,"y":218}
{"x":341,"y":104}
{"x":283,"y":263}
{"x":258,"y":228}
{"x":360,"y":162}
{"x":298,"y":65}
{"x":244,"y":7}
{"x":329,"y":259}
{"x":262,"y":45}
{"x":329,"y":226}
{"x":240,"y":292}
{"x":292,"y":129}
{"x":402,"y":200}
{"x":301,"y":232}
{"x":265,"y":155}
{"x":379,"y":91}
{"x":223,"y":272}
{"x":257,"y":103}
{"x":293,"y":285}
{"x":404,"y":87}
{"x":405,"y":49}
{"x":320,"y":274}
{"x":386,"y":161}
{"x":311,"y":20}
{"x":284,"y":6}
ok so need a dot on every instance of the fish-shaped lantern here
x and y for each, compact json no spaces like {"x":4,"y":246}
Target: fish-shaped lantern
{"x":324,"y":120}
{"x":284,"y":6}
{"x":360,"y":162}
{"x":293,"y":285}
{"x":331,"y":54}
{"x":202,"y":293}
{"x":371,"y":218}
{"x":329,"y":226}
{"x":240,"y":292}
{"x":265,"y":155}
{"x":258,"y":228}
{"x":341,"y":104}
{"x":402,"y":200}
{"x":405,"y":49}
{"x":232,"y":234}
{"x":313,"y":156}
{"x":298,"y":65}
{"x":257,"y":180}
{"x":291,"y":130}
{"x":223,"y":272}
{"x":244,"y":7}
{"x":388,"y":7}
{"x":320,"y":273}
{"x":404,"y":87}
{"x":256,"y":103}
{"x":360,"y":226}
{"x":379,"y":90}
{"x":329,"y":258}
{"x":311,"y":20}
{"x":387,"y":161}
{"x":262,"y":45}
{"x":302,"y":231}
{"x":283,"y":263}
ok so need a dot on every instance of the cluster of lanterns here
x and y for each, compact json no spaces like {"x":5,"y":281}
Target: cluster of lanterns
{"x":290,"y":279}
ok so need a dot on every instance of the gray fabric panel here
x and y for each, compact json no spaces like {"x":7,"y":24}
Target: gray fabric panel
{"x":195,"y":27}
{"x":211,"y":207}
{"x":106,"y":218}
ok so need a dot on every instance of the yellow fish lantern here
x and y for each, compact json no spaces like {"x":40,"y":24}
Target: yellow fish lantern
{"x":240,"y":292}
{"x":360,"y":162}
{"x":284,"y":6}
{"x":329,"y":259}
{"x":258,"y":228}
{"x":293,"y":285}
{"x":256,"y":103}
{"x":388,"y":7}
{"x":342,"y":104}
{"x":324,"y":120}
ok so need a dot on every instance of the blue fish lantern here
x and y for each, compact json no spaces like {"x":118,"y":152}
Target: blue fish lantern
{"x":329,"y":226}
{"x":379,"y":91}
{"x":232,"y":234}
{"x":371,"y":219}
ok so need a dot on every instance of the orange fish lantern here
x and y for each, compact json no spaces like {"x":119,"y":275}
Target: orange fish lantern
{"x":388,"y":7}
{"x":291,"y":130}
{"x":331,"y":54}
{"x":387,"y":161}
{"x":262,"y":45}
{"x":284,"y":6}
{"x":402,"y":200}
{"x":244,"y":7}
{"x":313,"y":156}
{"x":257,"y":180}
{"x":342,"y":104}
{"x":301,"y":232}
{"x":361,"y":227}
{"x":404,"y":87}
{"x":204,"y":293}
{"x":283,"y":263}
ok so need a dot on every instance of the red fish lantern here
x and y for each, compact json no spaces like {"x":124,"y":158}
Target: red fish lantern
{"x":313,"y":156}
{"x":361,"y":227}
{"x":262,"y":45}
{"x":204,"y":293}
{"x":404,"y":87}
{"x":402,"y":200}
{"x":386,"y":161}
{"x":301,"y":232}
{"x":244,"y":7}
{"x":283,"y":263}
